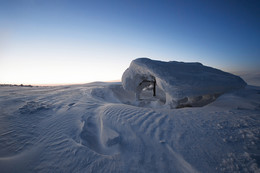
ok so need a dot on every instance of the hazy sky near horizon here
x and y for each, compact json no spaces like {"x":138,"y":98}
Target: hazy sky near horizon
{"x":79,"y":41}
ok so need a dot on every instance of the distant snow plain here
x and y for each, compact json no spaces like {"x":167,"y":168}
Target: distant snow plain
{"x":251,"y":77}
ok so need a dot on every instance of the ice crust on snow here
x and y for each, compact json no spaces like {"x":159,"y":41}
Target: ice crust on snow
{"x":177,"y":84}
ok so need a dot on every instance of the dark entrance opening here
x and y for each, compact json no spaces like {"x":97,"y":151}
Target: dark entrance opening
{"x":146,"y":89}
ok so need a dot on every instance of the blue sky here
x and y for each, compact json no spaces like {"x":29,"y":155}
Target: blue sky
{"x":76,"y":41}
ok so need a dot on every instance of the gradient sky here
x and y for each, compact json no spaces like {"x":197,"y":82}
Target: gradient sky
{"x":79,"y":41}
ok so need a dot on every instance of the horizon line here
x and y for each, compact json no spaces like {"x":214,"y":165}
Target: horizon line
{"x":53,"y":84}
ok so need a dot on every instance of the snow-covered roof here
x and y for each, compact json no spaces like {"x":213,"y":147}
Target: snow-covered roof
{"x":179,"y":79}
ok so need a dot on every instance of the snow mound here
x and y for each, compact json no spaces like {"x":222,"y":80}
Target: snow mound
{"x":177,"y":84}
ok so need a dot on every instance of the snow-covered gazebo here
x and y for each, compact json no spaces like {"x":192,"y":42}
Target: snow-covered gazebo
{"x":177,"y":84}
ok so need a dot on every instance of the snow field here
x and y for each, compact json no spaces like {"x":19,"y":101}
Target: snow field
{"x":93,"y":128}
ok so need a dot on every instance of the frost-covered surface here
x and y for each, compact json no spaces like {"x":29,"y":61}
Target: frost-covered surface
{"x":87,"y":128}
{"x":179,"y":84}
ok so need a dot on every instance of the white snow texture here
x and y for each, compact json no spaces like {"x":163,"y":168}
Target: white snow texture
{"x":179,"y":84}
{"x":101,"y":127}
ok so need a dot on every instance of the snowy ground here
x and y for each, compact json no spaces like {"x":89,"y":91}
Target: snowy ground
{"x":85,"y":128}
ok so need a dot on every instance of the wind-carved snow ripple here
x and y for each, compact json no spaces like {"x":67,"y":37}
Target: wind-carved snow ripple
{"x":135,"y":135}
{"x":99,"y":137}
{"x":144,"y":130}
{"x":145,"y":120}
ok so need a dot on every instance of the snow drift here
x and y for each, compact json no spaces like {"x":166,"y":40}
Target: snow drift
{"x":177,"y":84}
{"x":84,"y":128}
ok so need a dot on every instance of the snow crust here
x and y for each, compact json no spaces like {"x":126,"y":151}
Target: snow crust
{"x":89,"y":128}
{"x":178,"y":84}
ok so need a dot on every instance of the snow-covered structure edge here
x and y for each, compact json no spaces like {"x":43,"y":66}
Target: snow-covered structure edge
{"x":177,"y":84}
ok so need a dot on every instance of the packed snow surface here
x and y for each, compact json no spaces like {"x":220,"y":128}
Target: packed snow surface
{"x":88,"y":128}
{"x":178,"y":84}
